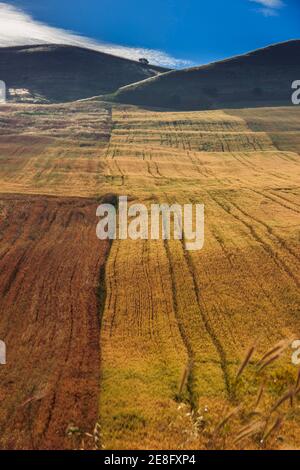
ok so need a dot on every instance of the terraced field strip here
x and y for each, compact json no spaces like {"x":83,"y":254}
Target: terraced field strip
{"x":203,"y":131}
{"x":54,"y":150}
{"x":281,"y":124}
{"x":71,"y":150}
{"x":143,"y":352}
{"x":140,"y":152}
{"x":50,"y":260}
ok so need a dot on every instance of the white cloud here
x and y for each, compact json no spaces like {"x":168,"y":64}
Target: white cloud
{"x":270,"y":3}
{"x":268,"y":11}
{"x":18,"y":28}
{"x":269,"y":7}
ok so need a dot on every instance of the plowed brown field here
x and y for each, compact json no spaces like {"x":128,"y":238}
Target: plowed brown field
{"x":168,"y":312}
{"x":50,"y":262}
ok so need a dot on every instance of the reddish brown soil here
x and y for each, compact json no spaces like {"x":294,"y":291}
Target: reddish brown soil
{"x":50,"y":263}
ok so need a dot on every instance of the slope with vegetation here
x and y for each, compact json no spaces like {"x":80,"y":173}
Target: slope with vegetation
{"x":260,"y":78}
{"x":58,"y":73}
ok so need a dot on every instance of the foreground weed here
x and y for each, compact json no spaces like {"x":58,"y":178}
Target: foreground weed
{"x":257,"y":418}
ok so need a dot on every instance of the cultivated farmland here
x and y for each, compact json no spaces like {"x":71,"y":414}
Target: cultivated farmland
{"x":143,"y":334}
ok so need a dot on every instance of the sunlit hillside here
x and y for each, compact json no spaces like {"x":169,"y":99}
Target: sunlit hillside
{"x":143,"y":336}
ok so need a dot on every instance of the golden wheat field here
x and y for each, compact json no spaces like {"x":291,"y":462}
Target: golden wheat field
{"x":171,"y":327}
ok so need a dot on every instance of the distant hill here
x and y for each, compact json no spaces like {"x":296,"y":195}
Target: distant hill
{"x":58,"y":73}
{"x":259,"y":78}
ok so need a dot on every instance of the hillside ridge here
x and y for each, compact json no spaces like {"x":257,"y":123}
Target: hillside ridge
{"x":51,"y":73}
{"x":261,"y":77}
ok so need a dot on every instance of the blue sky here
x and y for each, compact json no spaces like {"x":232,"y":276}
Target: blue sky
{"x":192,"y":30}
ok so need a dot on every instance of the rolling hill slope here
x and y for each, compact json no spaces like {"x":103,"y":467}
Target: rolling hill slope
{"x":113,"y":329}
{"x":58,"y":73}
{"x":259,"y":78}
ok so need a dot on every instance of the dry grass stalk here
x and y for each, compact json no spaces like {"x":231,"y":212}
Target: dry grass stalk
{"x":260,"y":424}
{"x":281,"y":346}
{"x":221,"y":425}
{"x":245,"y":362}
{"x":272,"y":355}
{"x":269,"y":361}
{"x":249,"y":430}
{"x":275,"y":427}
{"x":97,"y":437}
{"x":183,"y":380}
{"x":259,"y":396}
{"x":224,"y":421}
{"x":297,"y":381}
{"x":287,"y":396}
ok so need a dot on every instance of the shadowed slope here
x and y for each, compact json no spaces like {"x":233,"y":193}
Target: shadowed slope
{"x":259,"y":78}
{"x":57,"y":73}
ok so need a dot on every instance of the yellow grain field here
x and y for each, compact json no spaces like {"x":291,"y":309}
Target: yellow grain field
{"x":243,"y":287}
